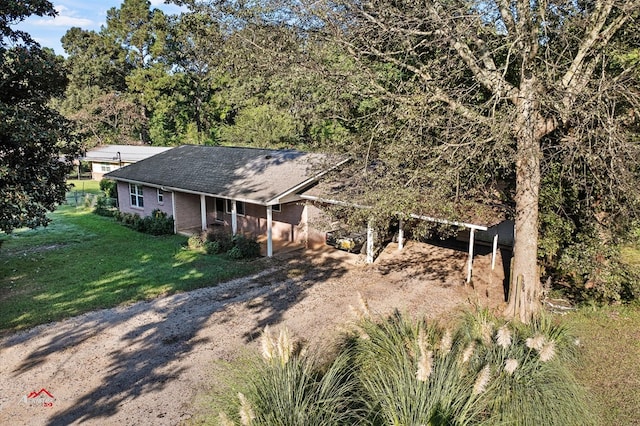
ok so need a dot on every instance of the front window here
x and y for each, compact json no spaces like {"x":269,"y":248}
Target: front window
{"x":239,"y":207}
{"x":160,"y":196}
{"x":105,"y":167}
{"x":136,"y":195}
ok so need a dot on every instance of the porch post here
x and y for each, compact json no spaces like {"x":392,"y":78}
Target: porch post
{"x":203,"y":211}
{"x":400,"y":234}
{"x":472,"y":233}
{"x":494,"y":253}
{"x":234,"y":217}
{"x":369,"y":242}
{"x":173,"y":212}
{"x":269,"y":231}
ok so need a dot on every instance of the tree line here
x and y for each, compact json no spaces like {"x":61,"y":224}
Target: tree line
{"x":451,"y":109}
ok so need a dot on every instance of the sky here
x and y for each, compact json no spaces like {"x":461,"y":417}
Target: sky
{"x":86,"y":14}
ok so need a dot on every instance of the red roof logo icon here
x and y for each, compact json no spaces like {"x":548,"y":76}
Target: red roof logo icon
{"x":42,"y":393}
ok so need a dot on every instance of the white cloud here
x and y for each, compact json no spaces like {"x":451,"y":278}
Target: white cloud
{"x":66,"y":21}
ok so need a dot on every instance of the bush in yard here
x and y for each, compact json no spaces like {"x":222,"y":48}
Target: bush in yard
{"x":109,"y":187}
{"x":235,"y":246}
{"x":158,"y":223}
{"x":486,"y":371}
{"x":105,"y":207}
{"x":244,"y":247}
{"x":218,"y":241}
{"x":288,"y":388}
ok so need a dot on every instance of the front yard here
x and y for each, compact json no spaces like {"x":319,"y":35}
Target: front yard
{"x":82,"y":262}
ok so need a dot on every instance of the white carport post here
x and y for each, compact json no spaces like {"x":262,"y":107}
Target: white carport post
{"x":269,"y":231}
{"x":203,"y":212}
{"x":472,"y":233}
{"x":234,"y":217}
{"x":494,"y":252}
{"x":400,"y":234}
{"x":369,"y":242}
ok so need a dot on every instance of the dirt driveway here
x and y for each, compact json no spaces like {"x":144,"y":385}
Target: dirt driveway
{"x":148,"y":363}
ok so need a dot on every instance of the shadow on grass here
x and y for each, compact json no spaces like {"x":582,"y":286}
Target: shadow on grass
{"x":146,"y":359}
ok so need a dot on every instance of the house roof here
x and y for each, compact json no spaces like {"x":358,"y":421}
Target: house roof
{"x":122,"y":153}
{"x":259,"y":176}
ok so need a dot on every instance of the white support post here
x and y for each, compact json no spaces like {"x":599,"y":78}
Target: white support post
{"x":495,"y":252}
{"x":173,"y":212}
{"x":269,"y":231}
{"x":203,"y":212}
{"x":234,"y":218}
{"x":400,"y":235}
{"x":470,"y":263}
{"x":369,"y":242}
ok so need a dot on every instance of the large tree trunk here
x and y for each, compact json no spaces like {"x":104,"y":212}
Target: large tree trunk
{"x":525,"y":287}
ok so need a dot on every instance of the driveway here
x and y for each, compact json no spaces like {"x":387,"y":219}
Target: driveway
{"x":150,"y":363}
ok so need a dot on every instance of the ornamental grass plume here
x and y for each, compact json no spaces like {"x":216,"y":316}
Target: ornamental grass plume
{"x":486,"y":330}
{"x":510,"y":365}
{"x":223,"y":420}
{"x":268,"y":345}
{"x":482,"y":380}
{"x":503,"y":336}
{"x":246,"y":412}
{"x":548,"y":351}
{"x":425,"y":364}
{"x":445,"y":343}
{"x":536,"y":342}
{"x":468,"y":352}
{"x":284,"y":346}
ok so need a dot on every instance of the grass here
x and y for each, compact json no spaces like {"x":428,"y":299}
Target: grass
{"x":609,"y":360}
{"x":83,"y":262}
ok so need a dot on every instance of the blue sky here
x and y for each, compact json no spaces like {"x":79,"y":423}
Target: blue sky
{"x":86,"y":14}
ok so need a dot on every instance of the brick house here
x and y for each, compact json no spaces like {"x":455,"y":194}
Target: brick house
{"x":247,"y":190}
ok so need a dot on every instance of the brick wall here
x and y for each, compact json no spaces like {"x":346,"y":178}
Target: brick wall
{"x":150,"y":201}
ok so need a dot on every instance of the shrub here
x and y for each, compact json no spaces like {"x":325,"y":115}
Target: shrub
{"x":235,"y":246}
{"x":403,"y":372}
{"x":105,"y":207}
{"x":288,"y":389}
{"x":156,"y":224}
{"x":244,"y":247}
{"x":195,"y":242}
{"x":597,"y":271}
{"x":109,"y":187}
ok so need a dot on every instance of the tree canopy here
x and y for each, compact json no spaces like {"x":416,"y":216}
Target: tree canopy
{"x":34,"y":138}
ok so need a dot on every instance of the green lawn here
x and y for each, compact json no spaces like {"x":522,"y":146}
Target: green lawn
{"x":609,"y":362}
{"x":82,"y":262}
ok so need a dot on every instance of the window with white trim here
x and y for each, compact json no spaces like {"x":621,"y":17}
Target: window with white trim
{"x":105,"y":167}
{"x":276,"y":208}
{"x":160,"y":196}
{"x":239,"y":207}
{"x":136,"y":195}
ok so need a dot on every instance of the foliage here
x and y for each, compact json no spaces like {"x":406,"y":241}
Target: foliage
{"x":36,"y":146}
{"x":237,"y":246}
{"x":110,"y":188}
{"x":158,"y":223}
{"x":486,"y":371}
{"x":596,"y":271}
{"x":290,"y":388}
{"x":105,"y":206}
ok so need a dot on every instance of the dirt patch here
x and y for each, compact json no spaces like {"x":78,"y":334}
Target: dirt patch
{"x":147,"y":363}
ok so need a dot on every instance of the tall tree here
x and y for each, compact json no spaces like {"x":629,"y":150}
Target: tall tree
{"x":33,"y":137}
{"x":508,"y":87}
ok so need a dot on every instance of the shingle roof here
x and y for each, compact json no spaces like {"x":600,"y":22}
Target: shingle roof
{"x":124,"y":153}
{"x":249,"y":174}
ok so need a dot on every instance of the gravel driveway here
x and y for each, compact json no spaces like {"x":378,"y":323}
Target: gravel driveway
{"x":147,"y":363}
